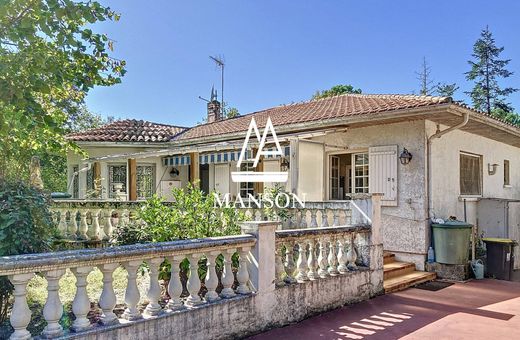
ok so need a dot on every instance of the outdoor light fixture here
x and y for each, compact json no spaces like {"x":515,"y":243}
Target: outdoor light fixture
{"x":405,"y":157}
{"x":174,"y":172}
{"x":284,"y":165}
{"x":492,"y":169}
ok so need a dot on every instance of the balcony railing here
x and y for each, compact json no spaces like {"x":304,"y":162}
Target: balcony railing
{"x":95,"y":219}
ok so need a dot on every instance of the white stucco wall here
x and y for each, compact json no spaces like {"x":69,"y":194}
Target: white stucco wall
{"x":404,"y":226}
{"x":446,"y":198}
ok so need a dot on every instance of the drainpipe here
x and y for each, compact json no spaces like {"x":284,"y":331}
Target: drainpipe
{"x":76,"y":173}
{"x":437,"y":134}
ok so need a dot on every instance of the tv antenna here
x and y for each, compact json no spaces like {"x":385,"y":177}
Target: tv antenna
{"x":219,"y":61}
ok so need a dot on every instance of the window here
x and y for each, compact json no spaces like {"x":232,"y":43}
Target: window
{"x":145,"y":181}
{"x":506,"y":173}
{"x":361,"y":173}
{"x":246,"y":188}
{"x":470,"y":174}
{"x":116,"y":177}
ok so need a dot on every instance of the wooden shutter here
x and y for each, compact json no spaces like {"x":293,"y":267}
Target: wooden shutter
{"x":382,"y":171}
{"x":310,"y":170}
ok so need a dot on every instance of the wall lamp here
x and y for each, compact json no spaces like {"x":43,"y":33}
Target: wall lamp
{"x":405,"y":157}
{"x":492,"y":169}
{"x":174,"y":172}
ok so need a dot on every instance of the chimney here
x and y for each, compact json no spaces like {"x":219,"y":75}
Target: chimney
{"x":214,"y":112}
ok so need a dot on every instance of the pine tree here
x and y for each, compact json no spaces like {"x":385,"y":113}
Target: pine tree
{"x":485,"y":71}
{"x":446,"y":90}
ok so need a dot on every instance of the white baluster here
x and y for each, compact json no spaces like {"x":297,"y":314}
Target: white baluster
{"x":279,"y":267}
{"x":303,"y":222}
{"x":73,"y":224}
{"x":125,"y":217}
{"x":314,"y":220}
{"x":301,"y":263}
{"x":20,"y":314}
{"x":289,"y":262}
{"x":211,"y":277}
{"x":175,"y":285}
{"x":243,"y":273}
{"x":81,"y":302}
{"x":342,"y":256}
{"x":62,"y":226}
{"x":351,"y":254}
{"x":227,"y":275}
{"x":94,"y":229}
{"x":107,"y":226}
{"x":154,"y":289}
{"x":53,"y":308}
{"x":194,"y":281}
{"x":332,"y":258}
{"x":335,"y":220}
{"x":107,"y":300}
{"x":311,"y":261}
{"x":132,"y":295}
{"x":83,"y":226}
{"x":322,"y":259}
{"x":324,"y":218}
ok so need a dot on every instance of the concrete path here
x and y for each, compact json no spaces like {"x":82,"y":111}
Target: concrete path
{"x":486,"y":309}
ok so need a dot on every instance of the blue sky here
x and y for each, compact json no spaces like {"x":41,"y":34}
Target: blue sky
{"x":280,"y":52}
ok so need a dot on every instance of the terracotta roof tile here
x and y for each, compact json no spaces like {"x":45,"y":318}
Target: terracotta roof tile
{"x":315,"y":110}
{"x":129,"y":130}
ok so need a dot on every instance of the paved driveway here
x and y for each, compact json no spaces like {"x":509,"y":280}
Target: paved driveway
{"x":486,"y":309}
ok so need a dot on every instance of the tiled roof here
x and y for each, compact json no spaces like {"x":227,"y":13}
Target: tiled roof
{"x":129,"y":130}
{"x":315,"y":110}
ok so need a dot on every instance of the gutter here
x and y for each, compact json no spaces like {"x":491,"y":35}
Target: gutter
{"x":436,"y":135}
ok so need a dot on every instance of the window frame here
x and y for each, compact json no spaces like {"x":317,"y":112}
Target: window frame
{"x":507,"y":173}
{"x":250,"y":186}
{"x":366,"y":174}
{"x":153,"y":175}
{"x":480,"y":173}
{"x":111,"y":182}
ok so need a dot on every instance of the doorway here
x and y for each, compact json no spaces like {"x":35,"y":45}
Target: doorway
{"x":204,"y":178}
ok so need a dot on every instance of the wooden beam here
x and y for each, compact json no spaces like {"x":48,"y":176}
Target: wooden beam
{"x":194,"y":169}
{"x":96,"y":167}
{"x":132,"y":171}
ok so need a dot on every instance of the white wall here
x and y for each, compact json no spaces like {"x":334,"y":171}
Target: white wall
{"x":445,"y":154}
{"x":405,"y":230}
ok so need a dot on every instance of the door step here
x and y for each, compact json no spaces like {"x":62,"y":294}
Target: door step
{"x":401,"y":275}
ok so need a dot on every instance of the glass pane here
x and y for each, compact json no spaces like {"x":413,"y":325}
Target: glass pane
{"x":116,"y":176}
{"x":145,"y":181}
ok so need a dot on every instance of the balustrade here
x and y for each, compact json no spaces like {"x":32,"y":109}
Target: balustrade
{"x":321,"y":253}
{"x":20,"y":269}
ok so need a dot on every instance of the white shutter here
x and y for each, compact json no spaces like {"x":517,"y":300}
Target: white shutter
{"x":271,"y":166}
{"x":382,"y":171}
{"x":222,"y":178}
{"x":310,"y":170}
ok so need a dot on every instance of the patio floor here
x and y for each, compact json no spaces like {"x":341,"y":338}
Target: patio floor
{"x":486,"y":309}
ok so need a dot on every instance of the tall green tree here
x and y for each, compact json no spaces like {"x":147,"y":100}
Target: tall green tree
{"x":49,"y":60}
{"x":446,"y":90}
{"x":336,"y":91}
{"x":486,"y":69}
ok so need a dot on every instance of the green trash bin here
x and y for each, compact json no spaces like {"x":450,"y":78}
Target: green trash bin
{"x":499,"y":257}
{"x":451,"y":241}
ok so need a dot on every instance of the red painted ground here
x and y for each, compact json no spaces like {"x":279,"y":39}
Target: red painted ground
{"x":486,"y":309}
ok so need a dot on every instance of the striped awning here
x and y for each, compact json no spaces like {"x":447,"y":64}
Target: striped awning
{"x":177,"y":160}
{"x":234,"y":155}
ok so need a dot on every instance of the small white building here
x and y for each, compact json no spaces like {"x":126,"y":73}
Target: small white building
{"x":332,"y":148}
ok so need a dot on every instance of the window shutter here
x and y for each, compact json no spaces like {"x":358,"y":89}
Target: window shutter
{"x":382,"y":170}
{"x":222,"y":178}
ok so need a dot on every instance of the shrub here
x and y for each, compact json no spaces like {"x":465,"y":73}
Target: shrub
{"x":26,"y":226}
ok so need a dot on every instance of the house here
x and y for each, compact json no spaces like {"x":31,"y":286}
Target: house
{"x":428,"y":156}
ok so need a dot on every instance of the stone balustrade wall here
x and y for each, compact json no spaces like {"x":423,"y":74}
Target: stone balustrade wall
{"x":283,"y":276}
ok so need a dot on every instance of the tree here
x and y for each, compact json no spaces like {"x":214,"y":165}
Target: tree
{"x":231,"y":112}
{"x":424,"y":78}
{"x":49,"y":60}
{"x":445,"y":89}
{"x":336,"y":91}
{"x":486,"y":69}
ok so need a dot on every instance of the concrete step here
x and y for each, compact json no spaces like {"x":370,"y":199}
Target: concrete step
{"x":394,"y":269}
{"x":388,"y":257}
{"x":408,"y":280}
